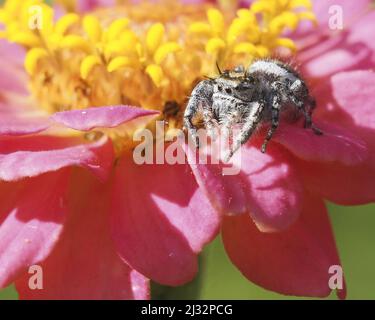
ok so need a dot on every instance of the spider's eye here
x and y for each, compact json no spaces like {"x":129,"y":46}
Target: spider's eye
{"x":228,"y":90}
{"x":220,"y":88}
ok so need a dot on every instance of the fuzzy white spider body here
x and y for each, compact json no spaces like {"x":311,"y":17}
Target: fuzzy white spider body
{"x":261,"y":94}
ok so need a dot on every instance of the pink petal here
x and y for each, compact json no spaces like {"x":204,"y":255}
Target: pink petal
{"x":267,"y":186}
{"x":294,"y":262}
{"x":364,"y":32}
{"x":335,"y":145}
{"x":100,"y":117}
{"x":16,"y":164}
{"x":352,"y":11}
{"x":354,"y":99}
{"x":89,"y":5}
{"x":10,"y":144}
{"x":348,"y":101}
{"x":160,"y":220}
{"x":84,"y":263}
{"x":12,"y":125}
{"x":226,"y":193}
{"x":12,"y":79}
{"x":19,"y":106}
{"x":344,"y":57}
{"x":31,"y":216}
{"x":319,"y":45}
{"x":273,"y":188}
{"x":354,"y":92}
{"x":13,"y":53}
{"x":338,"y":183}
{"x":12,"y":75}
{"x":325,"y":55}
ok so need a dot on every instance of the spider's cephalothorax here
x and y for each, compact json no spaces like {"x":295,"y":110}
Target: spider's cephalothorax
{"x":260,"y":94}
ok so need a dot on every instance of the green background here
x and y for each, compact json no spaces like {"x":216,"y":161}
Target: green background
{"x":219,"y":279}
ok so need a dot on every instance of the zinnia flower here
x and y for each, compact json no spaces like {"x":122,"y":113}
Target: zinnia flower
{"x":74,"y":201}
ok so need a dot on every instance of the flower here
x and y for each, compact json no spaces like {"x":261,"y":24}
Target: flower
{"x":73,"y":200}
{"x":100,"y":225}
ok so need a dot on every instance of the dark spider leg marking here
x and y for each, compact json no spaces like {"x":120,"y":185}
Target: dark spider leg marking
{"x":200,"y":97}
{"x":306,"y":107}
{"x":307,"y":113}
{"x":250,"y":123}
{"x":188,"y":124}
{"x":228,"y":122}
{"x":311,"y":107}
{"x":308,"y":121}
{"x":274,"y":122}
{"x":210,"y":121}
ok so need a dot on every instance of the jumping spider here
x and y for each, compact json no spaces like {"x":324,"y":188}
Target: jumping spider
{"x":261,"y":94}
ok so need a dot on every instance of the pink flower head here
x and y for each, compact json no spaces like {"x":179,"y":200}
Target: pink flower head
{"x":75,"y":202}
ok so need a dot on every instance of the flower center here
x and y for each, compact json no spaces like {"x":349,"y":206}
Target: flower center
{"x":148,"y":55}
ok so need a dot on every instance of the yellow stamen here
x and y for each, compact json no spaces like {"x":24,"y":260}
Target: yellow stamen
{"x":216,"y":19}
{"x":88,"y":65}
{"x":287,"y":19}
{"x":214,"y":45}
{"x":154,"y":37}
{"x":116,"y":28}
{"x":156,"y":73}
{"x":32,"y":58}
{"x":119,"y":63}
{"x":306,"y":15}
{"x":201,"y":28}
{"x":66,"y":22}
{"x":164,"y":50}
{"x":286,"y":43}
{"x":246,"y":47}
{"x":92,"y":27}
{"x":300,"y":3}
{"x":26,"y":38}
{"x":75,"y":42}
{"x":144,"y":54}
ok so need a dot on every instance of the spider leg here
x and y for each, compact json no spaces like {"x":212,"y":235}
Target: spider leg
{"x":274,"y":122}
{"x":307,"y":109}
{"x":311,"y":104}
{"x":188,"y":124}
{"x":201,"y":96}
{"x":210,"y":121}
{"x":250,"y":123}
{"x":306,"y":106}
{"x":309,"y":123}
{"x":230,"y":119}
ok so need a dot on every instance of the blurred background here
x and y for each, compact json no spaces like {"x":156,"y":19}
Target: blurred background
{"x":354,"y":228}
